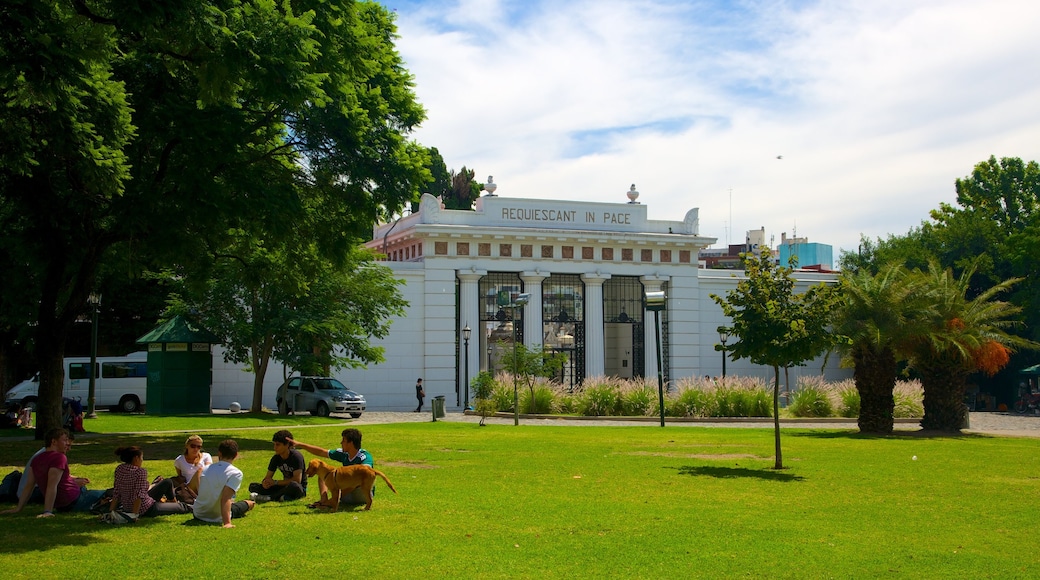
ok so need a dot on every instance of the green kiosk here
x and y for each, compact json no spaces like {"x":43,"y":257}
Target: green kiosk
{"x":180,"y":368}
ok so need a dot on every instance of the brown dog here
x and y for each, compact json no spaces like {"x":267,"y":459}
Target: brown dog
{"x":339,"y":480}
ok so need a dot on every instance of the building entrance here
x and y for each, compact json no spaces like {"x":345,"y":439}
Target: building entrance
{"x":623,"y":340}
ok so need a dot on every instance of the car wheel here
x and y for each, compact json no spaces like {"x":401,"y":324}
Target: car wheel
{"x":129,"y":404}
{"x":283,"y":407}
{"x":355,"y":415}
{"x":323,"y":409}
{"x":29,"y":402}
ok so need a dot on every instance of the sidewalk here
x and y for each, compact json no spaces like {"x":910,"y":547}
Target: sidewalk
{"x":998,"y":424}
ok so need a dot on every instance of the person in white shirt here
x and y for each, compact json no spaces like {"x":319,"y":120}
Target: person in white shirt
{"x":193,"y":462}
{"x":217,"y":486}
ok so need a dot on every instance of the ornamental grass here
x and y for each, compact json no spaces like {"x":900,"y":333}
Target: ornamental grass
{"x":698,"y":397}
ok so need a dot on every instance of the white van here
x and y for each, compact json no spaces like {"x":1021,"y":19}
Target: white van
{"x":120,"y":382}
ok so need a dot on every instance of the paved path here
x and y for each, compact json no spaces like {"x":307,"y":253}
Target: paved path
{"x":1001,"y":424}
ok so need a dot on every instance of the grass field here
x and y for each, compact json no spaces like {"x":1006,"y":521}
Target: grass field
{"x":578,"y":502}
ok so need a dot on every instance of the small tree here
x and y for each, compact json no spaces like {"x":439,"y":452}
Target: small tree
{"x":483,"y":386}
{"x":531,"y":363}
{"x":774,"y":326}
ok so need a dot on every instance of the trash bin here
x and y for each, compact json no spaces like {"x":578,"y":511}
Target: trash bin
{"x":438,"y":407}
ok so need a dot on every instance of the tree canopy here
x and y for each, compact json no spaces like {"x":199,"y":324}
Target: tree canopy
{"x":164,"y":132}
{"x":992,"y":231}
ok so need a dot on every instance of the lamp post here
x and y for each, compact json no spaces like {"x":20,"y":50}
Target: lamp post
{"x":94,"y":299}
{"x":655,"y":303}
{"x":723,"y":337}
{"x":520,"y":301}
{"x":465,"y":338}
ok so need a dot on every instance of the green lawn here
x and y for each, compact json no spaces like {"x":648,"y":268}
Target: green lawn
{"x":586,"y":502}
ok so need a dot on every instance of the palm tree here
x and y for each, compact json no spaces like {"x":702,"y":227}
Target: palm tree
{"x":877,"y":317}
{"x":959,"y":337}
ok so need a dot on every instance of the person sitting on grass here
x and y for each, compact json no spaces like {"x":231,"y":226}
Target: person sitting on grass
{"x":192,"y":462}
{"x":350,"y":453}
{"x":290,"y":463}
{"x":50,"y":470}
{"x":216,"y":502}
{"x":132,"y":493}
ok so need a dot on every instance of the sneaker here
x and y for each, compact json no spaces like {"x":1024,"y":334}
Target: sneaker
{"x":262,"y":498}
{"x":253,"y":495}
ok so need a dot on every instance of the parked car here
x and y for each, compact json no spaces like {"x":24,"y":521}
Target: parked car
{"x":318,"y":395}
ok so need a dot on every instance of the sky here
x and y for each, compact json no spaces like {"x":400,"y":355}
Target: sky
{"x":827,"y":120}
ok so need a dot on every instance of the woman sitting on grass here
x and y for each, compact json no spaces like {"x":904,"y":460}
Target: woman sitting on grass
{"x":191,"y":464}
{"x":132,"y":493}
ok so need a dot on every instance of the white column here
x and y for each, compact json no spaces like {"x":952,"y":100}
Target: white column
{"x":594,"y":344}
{"x":469,"y":314}
{"x":533,"y":310}
{"x":650,"y":284}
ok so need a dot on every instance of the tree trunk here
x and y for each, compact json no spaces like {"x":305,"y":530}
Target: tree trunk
{"x":875,"y":378}
{"x":944,"y":383}
{"x":776,"y":418}
{"x":50,"y":352}
{"x":261,"y":360}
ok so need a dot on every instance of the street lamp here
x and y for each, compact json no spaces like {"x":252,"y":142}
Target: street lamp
{"x":723,"y":337}
{"x":465,"y":337}
{"x":655,"y":303}
{"x":520,"y":301}
{"x":94,"y":299}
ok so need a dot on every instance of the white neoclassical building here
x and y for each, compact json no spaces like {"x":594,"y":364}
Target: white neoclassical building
{"x":584,"y":268}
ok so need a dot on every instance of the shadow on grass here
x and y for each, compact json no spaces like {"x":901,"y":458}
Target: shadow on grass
{"x":165,"y":447}
{"x":33,"y":536}
{"x":738,"y":472}
{"x":919,"y":434}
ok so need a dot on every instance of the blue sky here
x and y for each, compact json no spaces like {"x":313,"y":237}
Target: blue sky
{"x":876,"y":106}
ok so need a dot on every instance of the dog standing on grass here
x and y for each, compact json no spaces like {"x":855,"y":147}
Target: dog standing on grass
{"x":339,"y":480}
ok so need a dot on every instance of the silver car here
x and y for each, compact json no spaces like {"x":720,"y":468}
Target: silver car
{"x":318,"y":395}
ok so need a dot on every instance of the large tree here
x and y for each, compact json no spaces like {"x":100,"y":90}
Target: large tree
{"x":993,"y":230}
{"x":169,"y":130}
{"x":774,"y":326}
{"x":878,"y":313}
{"x":956,"y":336}
{"x":298,"y":309}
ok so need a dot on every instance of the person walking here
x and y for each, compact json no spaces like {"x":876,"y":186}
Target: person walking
{"x":419,"y":394}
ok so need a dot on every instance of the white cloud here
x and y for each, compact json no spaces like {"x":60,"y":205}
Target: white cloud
{"x":876,"y":106}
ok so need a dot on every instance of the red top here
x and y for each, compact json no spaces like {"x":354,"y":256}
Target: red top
{"x":68,"y":491}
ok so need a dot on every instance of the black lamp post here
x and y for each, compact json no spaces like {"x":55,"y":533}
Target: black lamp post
{"x":655,"y":303}
{"x":465,"y":338}
{"x":520,"y":301}
{"x":723,"y":337}
{"x":94,"y":299}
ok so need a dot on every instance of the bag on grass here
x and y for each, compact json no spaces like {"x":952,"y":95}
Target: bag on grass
{"x":104,"y":504}
{"x":182,"y":491}
{"x":117,"y":517}
{"x":9,"y":487}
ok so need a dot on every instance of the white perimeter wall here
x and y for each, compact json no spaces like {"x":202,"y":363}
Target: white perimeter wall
{"x":423,"y":342}
{"x":719,"y":282}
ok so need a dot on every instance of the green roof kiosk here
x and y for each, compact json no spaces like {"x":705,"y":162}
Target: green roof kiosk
{"x":180,"y":368}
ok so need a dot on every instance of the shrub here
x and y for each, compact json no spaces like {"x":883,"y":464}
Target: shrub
{"x":565,"y":403}
{"x":640,"y":402}
{"x":502,"y":396}
{"x":756,"y":403}
{"x":909,"y":399}
{"x":848,"y":398}
{"x":600,"y":400}
{"x":541,"y":403}
{"x":691,"y":402}
{"x":810,"y":401}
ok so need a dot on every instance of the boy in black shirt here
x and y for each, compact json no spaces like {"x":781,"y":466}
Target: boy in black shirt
{"x":288,"y":461}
